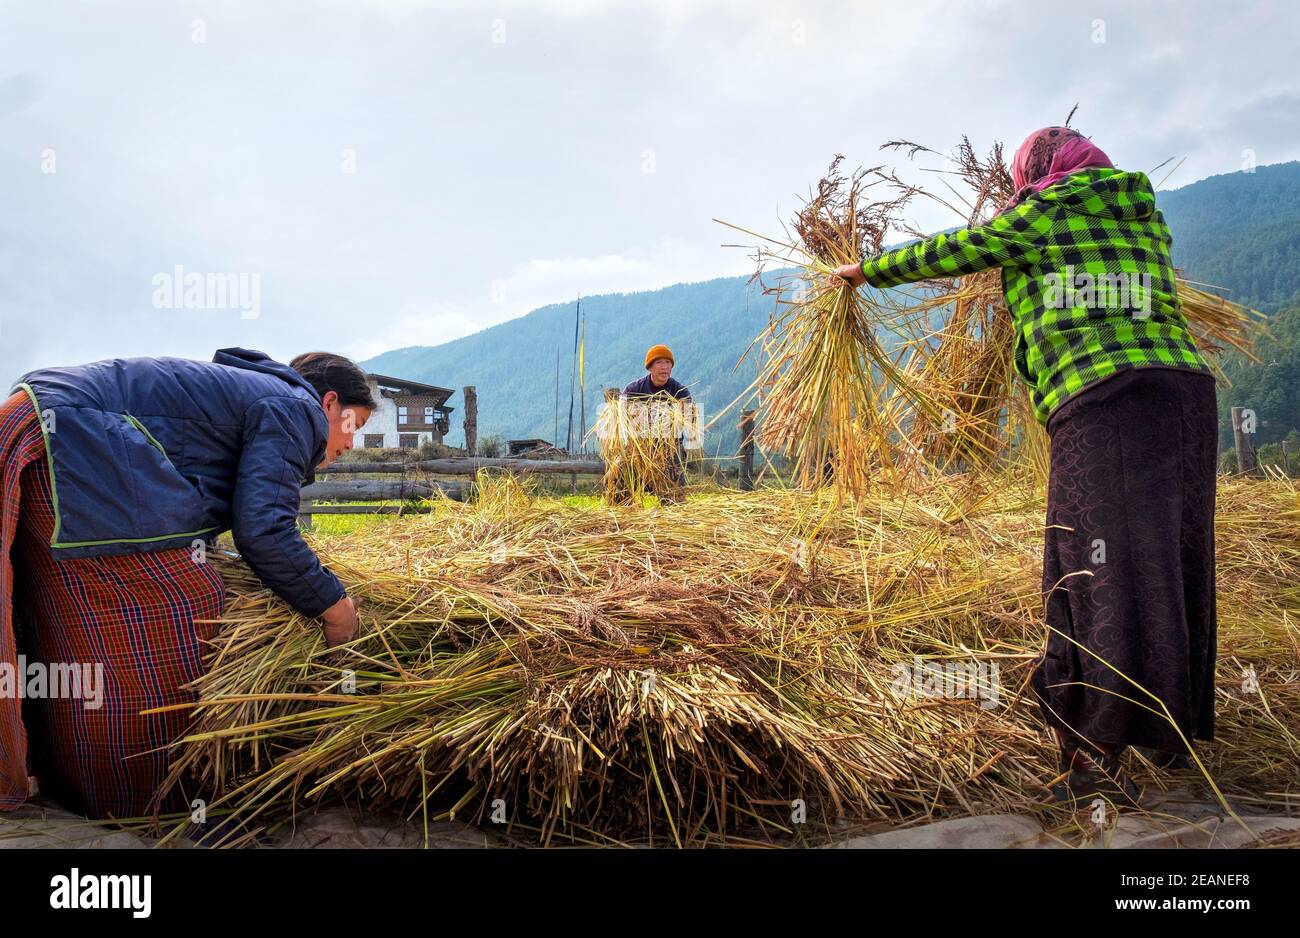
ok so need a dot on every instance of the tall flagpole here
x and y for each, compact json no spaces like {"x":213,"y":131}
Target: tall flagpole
{"x":573,"y":377}
{"x":582,"y":386}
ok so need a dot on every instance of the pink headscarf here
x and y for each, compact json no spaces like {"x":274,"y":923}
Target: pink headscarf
{"x":1049,"y":155}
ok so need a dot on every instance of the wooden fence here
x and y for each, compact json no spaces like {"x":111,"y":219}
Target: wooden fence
{"x":409,"y":486}
{"x":405,"y":488}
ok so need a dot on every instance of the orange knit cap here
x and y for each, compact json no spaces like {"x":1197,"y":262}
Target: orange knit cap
{"x":658,"y":351}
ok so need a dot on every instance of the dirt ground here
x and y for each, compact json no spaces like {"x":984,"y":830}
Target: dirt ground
{"x":1173,"y":819}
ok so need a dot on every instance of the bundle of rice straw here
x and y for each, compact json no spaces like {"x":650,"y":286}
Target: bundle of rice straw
{"x":686,"y":677}
{"x":829,"y":383}
{"x":640,"y":442}
{"x":965,"y":365}
{"x":1218,"y":323}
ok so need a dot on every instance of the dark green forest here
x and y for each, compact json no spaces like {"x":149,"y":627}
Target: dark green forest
{"x":1239,"y":232}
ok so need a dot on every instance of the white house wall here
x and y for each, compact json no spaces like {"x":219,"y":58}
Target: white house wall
{"x":383,"y":420}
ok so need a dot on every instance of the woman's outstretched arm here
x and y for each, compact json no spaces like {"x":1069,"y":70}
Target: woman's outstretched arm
{"x":1010,"y":239}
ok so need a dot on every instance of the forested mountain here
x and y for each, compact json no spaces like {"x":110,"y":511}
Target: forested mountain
{"x":708,"y":325}
{"x":1241,"y":232}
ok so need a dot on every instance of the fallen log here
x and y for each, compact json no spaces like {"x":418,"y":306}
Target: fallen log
{"x":382,"y":489}
{"x":464,"y":465}
{"x":308,"y":508}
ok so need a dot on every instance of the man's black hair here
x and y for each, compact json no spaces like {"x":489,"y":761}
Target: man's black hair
{"x":325,"y":371}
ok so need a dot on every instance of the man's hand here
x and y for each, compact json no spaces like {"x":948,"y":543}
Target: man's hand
{"x":852,"y":274}
{"x":340,"y":622}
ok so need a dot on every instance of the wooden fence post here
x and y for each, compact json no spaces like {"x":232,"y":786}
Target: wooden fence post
{"x":747,"y":450}
{"x":471,"y":421}
{"x":1241,"y":441}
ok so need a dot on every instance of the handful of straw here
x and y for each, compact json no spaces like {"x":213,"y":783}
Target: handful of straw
{"x":640,"y":443}
{"x":829,"y":385}
{"x":965,"y":365}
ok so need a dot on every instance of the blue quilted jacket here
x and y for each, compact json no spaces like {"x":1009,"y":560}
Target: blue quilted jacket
{"x":154,"y":453}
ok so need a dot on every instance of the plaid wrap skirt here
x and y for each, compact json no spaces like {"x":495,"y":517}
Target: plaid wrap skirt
{"x":131,"y":625}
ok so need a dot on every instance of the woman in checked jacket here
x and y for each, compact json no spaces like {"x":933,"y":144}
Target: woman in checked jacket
{"x":1129,"y":405}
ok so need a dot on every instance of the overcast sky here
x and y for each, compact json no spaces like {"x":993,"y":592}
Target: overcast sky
{"x":390,"y":173}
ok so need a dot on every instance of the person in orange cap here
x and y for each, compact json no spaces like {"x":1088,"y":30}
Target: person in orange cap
{"x":658,"y":378}
{"x":658,"y":382}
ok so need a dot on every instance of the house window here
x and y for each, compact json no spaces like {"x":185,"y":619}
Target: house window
{"x":401,"y":414}
{"x":428,"y":415}
{"x":408,"y":440}
{"x":374,"y":441}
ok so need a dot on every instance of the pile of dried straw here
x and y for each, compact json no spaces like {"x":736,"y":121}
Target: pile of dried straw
{"x":684,"y":675}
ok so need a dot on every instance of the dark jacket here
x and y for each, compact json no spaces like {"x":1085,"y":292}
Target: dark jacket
{"x":644,"y":387}
{"x":150,"y":454}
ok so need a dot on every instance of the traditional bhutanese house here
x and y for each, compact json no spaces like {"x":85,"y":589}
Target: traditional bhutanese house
{"x":409,"y":413}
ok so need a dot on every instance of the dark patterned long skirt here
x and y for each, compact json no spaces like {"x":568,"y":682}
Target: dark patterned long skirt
{"x":1128,"y":563}
{"x":136,"y":621}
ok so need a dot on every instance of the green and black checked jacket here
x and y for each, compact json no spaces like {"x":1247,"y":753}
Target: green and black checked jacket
{"x":1098,"y":228}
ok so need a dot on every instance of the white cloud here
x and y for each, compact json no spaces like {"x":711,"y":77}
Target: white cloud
{"x":542,"y":281}
{"x":1163,"y":52}
{"x":432,"y":325}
